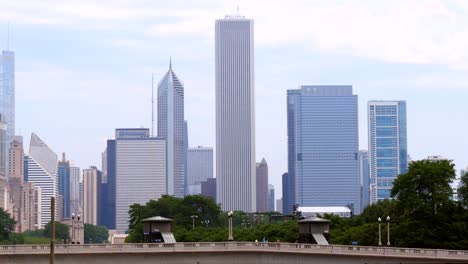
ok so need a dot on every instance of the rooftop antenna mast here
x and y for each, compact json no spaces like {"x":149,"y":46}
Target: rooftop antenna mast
{"x":152,"y":105}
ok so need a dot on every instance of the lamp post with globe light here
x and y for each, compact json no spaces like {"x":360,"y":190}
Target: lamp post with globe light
{"x":388,"y":230}
{"x":380,"y":234}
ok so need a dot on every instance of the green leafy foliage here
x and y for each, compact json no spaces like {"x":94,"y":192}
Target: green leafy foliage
{"x":7,"y":225}
{"x":95,"y":234}
{"x":463,"y":190}
{"x":61,"y":231}
{"x":422,"y":212}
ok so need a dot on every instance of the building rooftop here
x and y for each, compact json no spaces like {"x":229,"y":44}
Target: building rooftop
{"x":157,"y":219}
{"x":314,"y":219}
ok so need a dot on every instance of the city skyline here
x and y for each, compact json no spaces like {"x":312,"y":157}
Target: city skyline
{"x":432,"y":76}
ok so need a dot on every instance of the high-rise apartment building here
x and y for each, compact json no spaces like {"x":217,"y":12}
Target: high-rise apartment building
{"x":364,"y":176}
{"x":91,"y":195}
{"x":323,"y":146}
{"x":271,"y":198}
{"x":171,"y":126}
{"x":262,"y":186}
{"x":235,"y":113}
{"x":64,"y":182}
{"x":136,"y":173}
{"x":31,"y":216}
{"x":388,"y":151}
{"x":3,"y":162}
{"x":7,"y":97}
{"x":75,"y":195}
{"x":42,"y":171}
{"x":199,"y":168}
{"x":16,"y":179}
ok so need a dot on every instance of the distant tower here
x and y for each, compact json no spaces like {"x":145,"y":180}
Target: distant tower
{"x":42,"y":171}
{"x":235,"y":114}
{"x":63,"y":173}
{"x":199,"y":168}
{"x":388,"y":149}
{"x":323,"y":146}
{"x":171,"y":127}
{"x":7,"y":96}
{"x":262,"y":186}
{"x":91,"y":195}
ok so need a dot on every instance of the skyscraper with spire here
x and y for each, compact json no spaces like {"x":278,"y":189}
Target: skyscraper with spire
{"x":171,"y":127}
{"x":235,"y":113}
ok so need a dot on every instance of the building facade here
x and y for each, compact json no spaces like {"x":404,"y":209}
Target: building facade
{"x":208,"y":188}
{"x":388,"y":151}
{"x":42,"y":171}
{"x":64,"y":180}
{"x":323,"y":146}
{"x":271,"y":198}
{"x":288,"y":203}
{"x":262,"y":191}
{"x":136,"y":173}
{"x":75,"y":175}
{"x":364,"y":176}
{"x":235,"y":113}
{"x":91,"y":195}
{"x":7,"y":97}
{"x":199,"y":168}
{"x":16,"y":179}
{"x":3,"y":162}
{"x":171,"y":126}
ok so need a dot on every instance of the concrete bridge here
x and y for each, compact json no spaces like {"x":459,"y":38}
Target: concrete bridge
{"x":225,"y":253}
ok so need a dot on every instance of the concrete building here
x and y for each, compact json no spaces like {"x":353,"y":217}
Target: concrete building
{"x":3,"y":162}
{"x":76,"y":196}
{"x":42,"y":171}
{"x":208,"y":188}
{"x":171,"y":126}
{"x":235,"y":113}
{"x":388,"y":150}
{"x":323,"y":146}
{"x":16,"y":179}
{"x":364,"y":176}
{"x":262,"y":186}
{"x":136,"y":173}
{"x":91,"y":195}
{"x":271,"y":198}
{"x":31,"y":217}
{"x":63,"y":175}
{"x":199,"y":168}
{"x":7,"y":98}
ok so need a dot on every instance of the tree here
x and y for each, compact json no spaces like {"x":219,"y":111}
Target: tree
{"x":7,"y":225}
{"x":95,"y":234}
{"x":463,"y":190}
{"x":61,"y":231}
{"x":425,"y":188}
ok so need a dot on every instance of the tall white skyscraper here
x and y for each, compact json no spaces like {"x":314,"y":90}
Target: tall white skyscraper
{"x":235,"y":113}
{"x":7,"y":96}
{"x":42,"y":171}
{"x":171,"y":126}
{"x":91,"y":183}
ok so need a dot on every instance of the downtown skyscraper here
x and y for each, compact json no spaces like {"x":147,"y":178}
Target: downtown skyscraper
{"x":7,"y":98}
{"x":388,"y":150}
{"x":171,"y":126}
{"x":235,"y":113}
{"x":323,"y":147}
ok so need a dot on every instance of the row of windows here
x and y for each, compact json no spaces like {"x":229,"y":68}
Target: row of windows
{"x":387,"y":162}
{"x":386,"y":109}
{"x":387,"y":142}
{"x":383,"y":193}
{"x":329,"y":156}
{"x":388,"y":172}
{"x":387,"y":153}
{"x":385,"y":182}
{"x":386,"y":131}
{"x":386,"y":120}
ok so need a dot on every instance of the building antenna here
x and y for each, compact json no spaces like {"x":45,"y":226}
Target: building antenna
{"x":152,"y":105}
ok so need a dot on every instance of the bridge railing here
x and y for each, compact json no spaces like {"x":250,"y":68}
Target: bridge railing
{"x":238,"y":246}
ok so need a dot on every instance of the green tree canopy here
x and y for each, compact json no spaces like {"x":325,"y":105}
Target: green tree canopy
{"x":7,"y":225}
{"x":95,"y":234}
{"x":61,"y":231}
{"x":463,"y":190}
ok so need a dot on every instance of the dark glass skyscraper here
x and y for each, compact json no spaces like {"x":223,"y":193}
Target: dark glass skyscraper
{"x":171,"y":126}
{"x":323,"y":146}
{"x":63,"y":175}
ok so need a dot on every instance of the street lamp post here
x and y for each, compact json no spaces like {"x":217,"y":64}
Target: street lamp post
{"x":388,"y":230}
{"x":193,"y":220}
{"x":230,"y":213}
{"x":73,"y":228}
{"x":380,"y":237}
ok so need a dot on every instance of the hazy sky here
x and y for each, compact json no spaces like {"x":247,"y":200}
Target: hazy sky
{"x":83,"y":68}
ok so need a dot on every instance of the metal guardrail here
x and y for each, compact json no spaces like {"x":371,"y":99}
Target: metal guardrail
{"x":390,"y":252}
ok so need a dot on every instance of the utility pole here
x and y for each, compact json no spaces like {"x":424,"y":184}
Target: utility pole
{"x":52,"y":229}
